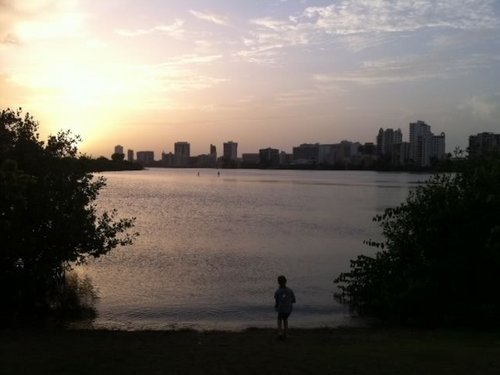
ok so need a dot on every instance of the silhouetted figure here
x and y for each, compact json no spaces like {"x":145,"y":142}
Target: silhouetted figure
{"x":198,"y":174}
{"x":218,"y":174}
{"x":284,"y":300}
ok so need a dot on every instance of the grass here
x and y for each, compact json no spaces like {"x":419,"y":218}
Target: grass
{"x":255,"y":351}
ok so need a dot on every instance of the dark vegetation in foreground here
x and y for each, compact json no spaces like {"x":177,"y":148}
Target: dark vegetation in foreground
{"x":439,"y":260}
{"x":322,"y":351}
{"x":48,"y":221}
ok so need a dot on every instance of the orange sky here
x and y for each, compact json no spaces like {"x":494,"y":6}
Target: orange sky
{"x":262,"y":73}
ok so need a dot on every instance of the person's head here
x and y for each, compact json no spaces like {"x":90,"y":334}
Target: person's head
{"x":282,"y":280}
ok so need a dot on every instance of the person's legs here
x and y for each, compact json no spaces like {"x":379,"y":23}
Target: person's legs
{"x":279,"y":325}
{"x":285,"y":327}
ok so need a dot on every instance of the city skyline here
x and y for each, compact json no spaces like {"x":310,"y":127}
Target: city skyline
{"x":120,"y":148}
{"x":277,"y":71}
{"x":422,"y":149}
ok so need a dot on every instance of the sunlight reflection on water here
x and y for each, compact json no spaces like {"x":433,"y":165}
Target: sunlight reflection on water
{"x":210,"y":247}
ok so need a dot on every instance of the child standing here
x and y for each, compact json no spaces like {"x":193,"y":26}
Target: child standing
{"x":284,"y":300}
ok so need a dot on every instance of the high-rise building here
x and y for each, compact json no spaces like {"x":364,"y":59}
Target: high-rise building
{"x":425,"y":146}
{"x":130,"y":155}
{"x":386,"y":139}
{"x":213,"y":156}
{"x":438,"y":147}
{"x":327,"y":154}
{"x":146,"y":158}
{"x":119,"y":149}
{"x":182,"y":153}
{"x":167,"y":159}
{"x":250,"y":160}
{"x":398,"y":136}
{"x":269,"y":157}
{"x":182,"y":149}
{"x":401,"y":153}
{"x":306,"y":153}
{"x":483,"y":143}
{"x":285,"y":158}
{"x":230,"y":151}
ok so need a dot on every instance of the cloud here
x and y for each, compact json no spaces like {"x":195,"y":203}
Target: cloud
{"x":265,"y":55}
{"x":297,"y":98}
{"x":210,"y":17}
{"x":360,"y":24}
{"x":263,"y":44}
{"x":192,"y":59}
{"x":459,"y":40}
{"x":176,"y":74}
{"x":484,"y":108}
{"x":362,"y":16}
{"x":173,"y":75}
{"x":23,"y":21}
{"x":409,"y":68}
{"x":175,"y":30}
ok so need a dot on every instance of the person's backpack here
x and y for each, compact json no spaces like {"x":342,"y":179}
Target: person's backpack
{"x":284,"y":298}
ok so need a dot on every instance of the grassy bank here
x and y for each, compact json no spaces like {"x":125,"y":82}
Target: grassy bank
{"x":323,"y":351}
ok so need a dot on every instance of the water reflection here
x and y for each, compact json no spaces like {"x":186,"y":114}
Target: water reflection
{"x":210,"y":247}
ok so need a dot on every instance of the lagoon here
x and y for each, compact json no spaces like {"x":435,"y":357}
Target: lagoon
{"x":210,"y":247}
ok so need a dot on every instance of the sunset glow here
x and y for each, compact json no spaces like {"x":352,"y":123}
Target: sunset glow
{"x":262,"y":73}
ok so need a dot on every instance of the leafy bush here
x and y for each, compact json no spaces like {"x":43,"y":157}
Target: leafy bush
{"x":440,"y":260}
{"x":76,"y":297}
{"x":48,"y":218}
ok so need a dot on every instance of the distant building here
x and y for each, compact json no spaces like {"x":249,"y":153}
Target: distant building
{"x":182,"y":152}
{"x":250,"y":160}
{"x":306,"y":153}
{"x":202,"y":161}
{"x":229,"y":158}
{"x":146,"y":158}
{"x":119,"y":149}
{"x":401,"y":153}
{"x":213,"y":156}
{"x":438,"y":147}
{"x":167,"y":159}
{"x":347,"y":150}
{"x":420,"y":139}
{"x":230,"y":151}
{"x":386,"y":139}
{"x":130,"y":155}
{"x":327,"y":154}
{"x":269,"y":157}
{"x":367,"y":155}
{"x":425,"y":146}
{"x":368,"y":148}
{"x":338,"y":154}
{"x":484,"y":143}
{"x":285,"y":159}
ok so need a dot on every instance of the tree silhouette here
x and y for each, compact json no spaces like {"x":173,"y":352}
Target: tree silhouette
{"x":440,"y":256}
{"x":118,"y":157}
{"x":48,"y":218}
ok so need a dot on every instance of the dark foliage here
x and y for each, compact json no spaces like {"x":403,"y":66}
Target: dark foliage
{"x":102,"y":164}
{"x":48,"y":220}
{"x":440,"y":260}
{"x":118,"y":157}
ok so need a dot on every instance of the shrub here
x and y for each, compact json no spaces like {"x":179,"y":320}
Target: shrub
{"x":440,"y":256}
{"x":48,"y":217}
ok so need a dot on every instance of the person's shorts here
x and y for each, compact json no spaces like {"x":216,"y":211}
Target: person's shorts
{"x":283,"y":316}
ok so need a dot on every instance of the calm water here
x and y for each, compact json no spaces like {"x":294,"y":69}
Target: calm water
{"x":210,"y":247}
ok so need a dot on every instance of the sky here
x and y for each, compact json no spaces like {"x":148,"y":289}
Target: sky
{"x":263,"y":73}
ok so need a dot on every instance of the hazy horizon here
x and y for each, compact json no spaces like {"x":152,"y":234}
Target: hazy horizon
{"x":262,"y":73}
